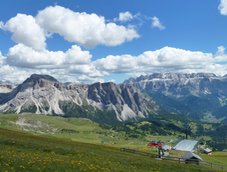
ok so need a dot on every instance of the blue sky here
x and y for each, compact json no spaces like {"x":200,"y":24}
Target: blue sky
{"x":189,"y":36}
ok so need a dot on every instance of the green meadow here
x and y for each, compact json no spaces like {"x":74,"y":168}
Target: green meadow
{"x":76,"y":129}
{"x":44,"y":143}
{"x":26,"y":152}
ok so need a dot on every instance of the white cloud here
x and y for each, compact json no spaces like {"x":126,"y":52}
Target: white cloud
{"x":88,"y":30}
{"x":23,"y":56}
{"x":117,"y":64}
{"x":223,"y":7}
{"x":85,"y":29}
{"x":14,"y":74}
{"x":2,"y":59}
{"x":76,"y":56}
{"x":25,"y":30}
{"x":68,"y":65}
{"x":89,"y":70}
{"x":124,"y":16}
{"x":221,"y":50}
{"x":1,"y":25}
{"x":155,"y":23}
{"x":221,"y":57}
{"x":167,"y":59}
{"x":76,"y":65}
{"x":9,"y":73}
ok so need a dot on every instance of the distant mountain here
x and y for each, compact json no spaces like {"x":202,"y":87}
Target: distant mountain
{"x":200,"y":95}
{"x":161,"y":96}
{"x":43,"y":94}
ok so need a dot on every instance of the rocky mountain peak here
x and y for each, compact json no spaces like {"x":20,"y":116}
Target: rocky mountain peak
{"x":37,"y":77}
{"x":175,"y":76}
{"x":104,"y":92}
{"x":196,"y":94}
{"x":37,"y":80}
{"x":170,"y":76}
{"x":43,"y":94}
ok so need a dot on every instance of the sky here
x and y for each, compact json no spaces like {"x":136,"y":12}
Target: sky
{"x":88,"y":41}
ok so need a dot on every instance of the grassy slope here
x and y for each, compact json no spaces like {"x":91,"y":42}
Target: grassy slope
{"x":77,"y":129}
{"x":74,"y":129}
{"x":216,"y":157}
{"x":26,"y":152}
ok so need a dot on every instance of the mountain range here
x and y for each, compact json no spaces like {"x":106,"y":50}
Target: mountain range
{"x":199,"y":96}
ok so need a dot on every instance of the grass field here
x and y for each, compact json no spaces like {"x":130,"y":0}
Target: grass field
{"x":76,"y":129}
{"x":26,"y":152}
{"x":216,"y":157}
{"x":44,"y":143}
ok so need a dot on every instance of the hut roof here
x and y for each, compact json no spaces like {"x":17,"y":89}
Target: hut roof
{"x":207,"y":150}
{"x":190,"y":155}
{"x":186,"y":145}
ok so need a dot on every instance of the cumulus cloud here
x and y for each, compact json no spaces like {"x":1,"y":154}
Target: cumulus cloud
{"x":223,"y":7}
{"x":71,"y":64}
{"x":14,"y":74}
{"x":124,"y":17}
{"x":25,"y":30}
{"x":85,"y":29}
{"x":88,"y":30}
{"x":10,"y":73}
{"x":167,"y":59}
{"x":77,"y":65}
{"x":155,"y":23}
{"x":117,"y":64}
{"x":30,"y":54}
{"x":75,"y":55}
{"x":23,"y":56}
{"x":88,"y":70}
